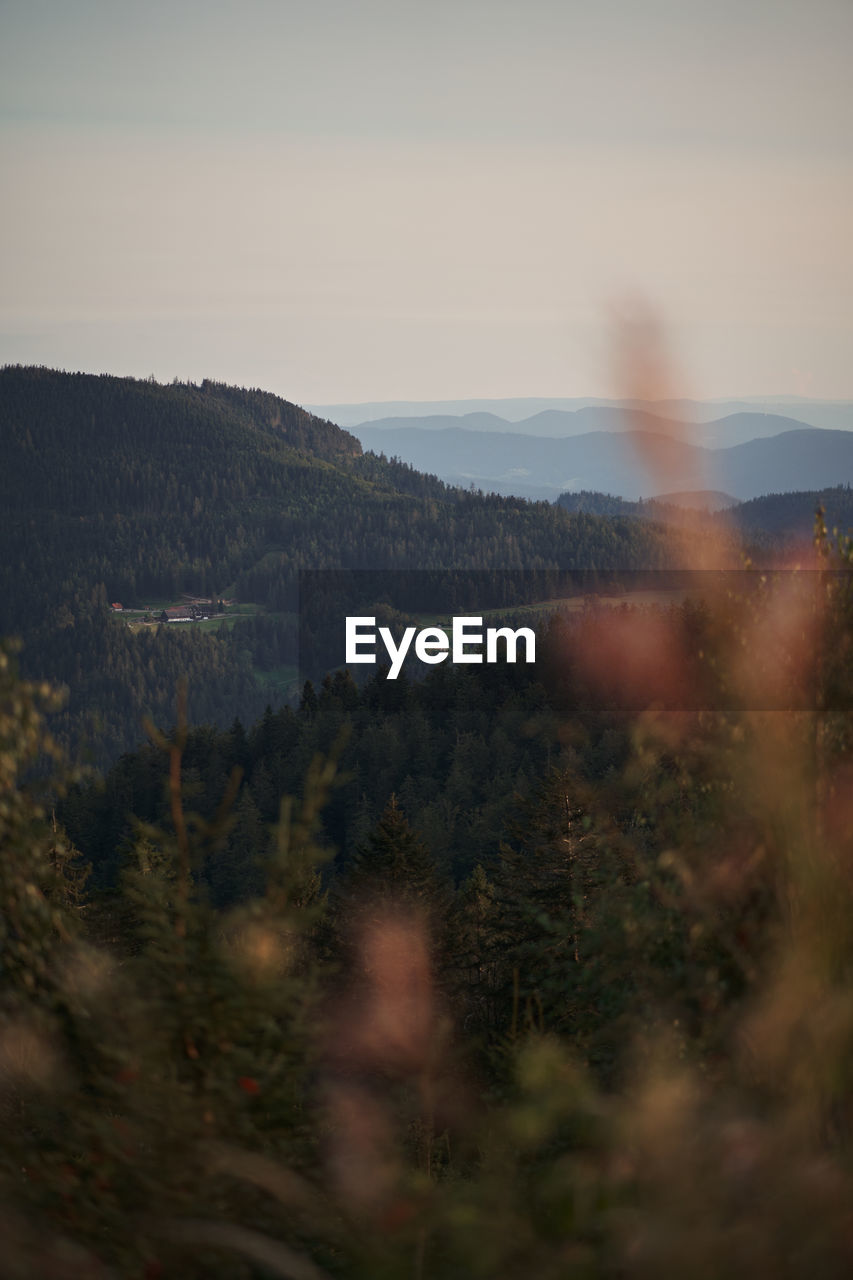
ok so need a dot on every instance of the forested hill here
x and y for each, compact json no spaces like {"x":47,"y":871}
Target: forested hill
{"x":71,"y":440}
{"x":155,"y":490}
{"x":117,"y":490}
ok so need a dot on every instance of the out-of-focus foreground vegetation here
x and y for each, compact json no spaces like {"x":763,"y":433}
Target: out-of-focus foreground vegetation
{"x":621,"y":1047}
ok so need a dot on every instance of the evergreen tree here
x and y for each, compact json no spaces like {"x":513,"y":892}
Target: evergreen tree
{"x":472,"y":960}
{"x":235,"y":870}
{"x":543,"y":892}
{"x":393,"y":865}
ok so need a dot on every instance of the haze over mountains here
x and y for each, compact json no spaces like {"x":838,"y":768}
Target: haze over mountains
{"x":735,"y":428}
{"x":744,"y":454}
{"x":511,"y":414}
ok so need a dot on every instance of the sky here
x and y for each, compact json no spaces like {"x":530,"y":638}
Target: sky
{"x":347,"y":200}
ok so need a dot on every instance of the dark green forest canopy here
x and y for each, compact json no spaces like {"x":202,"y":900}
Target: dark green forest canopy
{"x":115,"y":489}
{"x":455,"y":748}
{"x":460,"y":748}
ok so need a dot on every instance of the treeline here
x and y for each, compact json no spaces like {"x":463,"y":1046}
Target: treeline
{"x":770,"y":525}
{"x":780,"y":516}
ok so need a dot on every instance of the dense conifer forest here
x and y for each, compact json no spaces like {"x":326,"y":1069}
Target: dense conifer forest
{"x":460,"y":977}
{"x":771,"y":526}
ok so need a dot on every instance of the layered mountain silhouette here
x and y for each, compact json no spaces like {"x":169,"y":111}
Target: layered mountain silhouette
{"x":516,"y":414}
{"x":778,"y":455}
{"x":731,"y":429}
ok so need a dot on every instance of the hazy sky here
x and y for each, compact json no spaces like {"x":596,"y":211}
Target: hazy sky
{"x":339,"y":200}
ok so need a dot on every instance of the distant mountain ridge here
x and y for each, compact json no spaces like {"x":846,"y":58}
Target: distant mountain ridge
{"x":830,"y":414}
{"x":735,"y":428}
{"x":698,"y":500}
{"x":611,"y":461}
